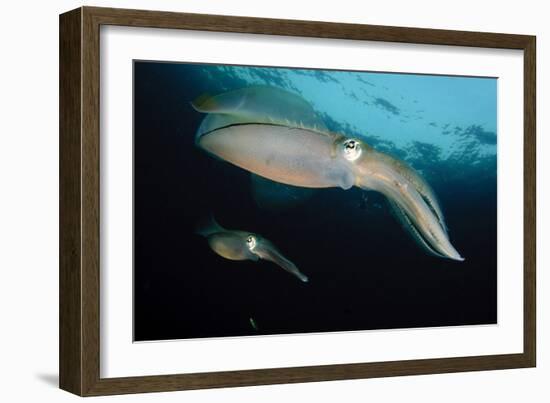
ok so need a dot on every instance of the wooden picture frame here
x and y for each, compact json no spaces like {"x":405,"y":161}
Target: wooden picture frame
{"x":79,"y":346}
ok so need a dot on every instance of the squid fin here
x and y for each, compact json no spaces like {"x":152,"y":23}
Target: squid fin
{"x":204,"y":103}
{"x":209,"y":226}
{"x":259,"y":104}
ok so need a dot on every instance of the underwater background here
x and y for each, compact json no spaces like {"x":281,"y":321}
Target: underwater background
{"x":365,"y":271}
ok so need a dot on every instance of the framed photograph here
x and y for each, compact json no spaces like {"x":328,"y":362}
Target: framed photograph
{"x":249,"y":201}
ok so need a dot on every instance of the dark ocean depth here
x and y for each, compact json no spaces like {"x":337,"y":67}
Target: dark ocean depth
{"x":365,"y":271}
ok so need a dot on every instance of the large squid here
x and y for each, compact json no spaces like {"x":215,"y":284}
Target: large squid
{"x":277,"y":135}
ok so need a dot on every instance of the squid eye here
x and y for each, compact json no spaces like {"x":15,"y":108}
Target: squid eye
{"x":251,"y":241}
{"x":352,"y":149}
{"x":350,"y":145}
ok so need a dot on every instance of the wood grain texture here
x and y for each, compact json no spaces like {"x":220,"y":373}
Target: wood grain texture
{"x":70,"y":309}
{"x":90,"y":201}
{"x":530,"y":201}
{"x":79,"y":201}
{"x":317,"y":29}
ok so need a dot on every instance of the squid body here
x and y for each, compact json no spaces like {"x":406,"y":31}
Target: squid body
{"x":277,"y":135}
{"x":243,"y":245}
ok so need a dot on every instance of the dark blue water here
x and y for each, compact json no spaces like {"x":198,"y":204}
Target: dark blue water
{"x":365,"y":271}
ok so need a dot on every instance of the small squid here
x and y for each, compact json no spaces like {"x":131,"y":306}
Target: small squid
{"x":243,"y":245}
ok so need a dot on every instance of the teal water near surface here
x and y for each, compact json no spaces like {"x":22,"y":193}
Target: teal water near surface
{"x":445,"y":111}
